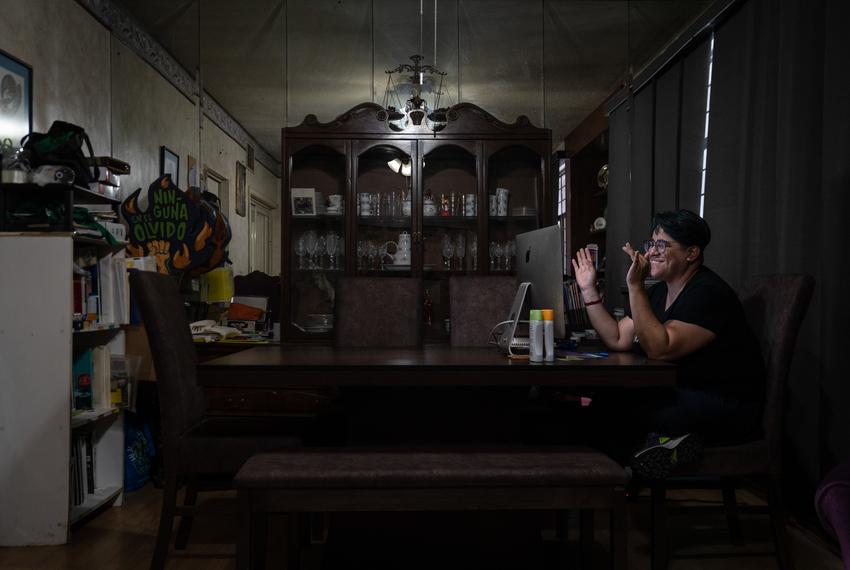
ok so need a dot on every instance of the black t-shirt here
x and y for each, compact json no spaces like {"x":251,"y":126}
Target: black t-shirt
{"x":731,"y":364}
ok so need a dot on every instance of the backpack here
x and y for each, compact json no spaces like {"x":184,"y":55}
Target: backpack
{"x":62,"y":145}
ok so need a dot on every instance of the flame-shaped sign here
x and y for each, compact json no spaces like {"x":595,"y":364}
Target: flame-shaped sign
{"x":183,"y":232}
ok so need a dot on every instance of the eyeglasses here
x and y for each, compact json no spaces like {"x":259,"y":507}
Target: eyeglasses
{"x":660,"y":245}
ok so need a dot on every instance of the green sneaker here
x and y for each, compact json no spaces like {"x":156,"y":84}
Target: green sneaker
{"x":664,"y":454}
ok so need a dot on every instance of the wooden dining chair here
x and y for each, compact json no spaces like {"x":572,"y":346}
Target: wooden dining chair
{"x":477,"y":304}
{"x":775,"y":306}
{"x":200,"y":450}
{"x":259,"y":284}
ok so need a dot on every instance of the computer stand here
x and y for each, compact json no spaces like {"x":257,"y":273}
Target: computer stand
{"x":508,"y":340}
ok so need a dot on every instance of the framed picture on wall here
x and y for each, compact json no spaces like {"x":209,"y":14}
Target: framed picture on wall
{"x":169,"y":163}
{"x":191,"y":171}
{"x":15,"y":102}
{"x":249,"y":157}
{"x":240,"y":189}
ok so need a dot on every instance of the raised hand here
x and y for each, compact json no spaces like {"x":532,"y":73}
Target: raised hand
{"x":639,"y":268}
{"x":585,"y":271}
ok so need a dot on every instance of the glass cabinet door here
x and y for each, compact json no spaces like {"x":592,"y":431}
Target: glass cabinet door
{"x":382,"y":190}
{"x":316,"y":240}
{"x":515,"y":196}
{"x":450,"y":224}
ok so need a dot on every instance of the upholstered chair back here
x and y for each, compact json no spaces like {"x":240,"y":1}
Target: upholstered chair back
{"x":775,"y":306}
{"x":378,"y":312}
{"x":477,"y":304}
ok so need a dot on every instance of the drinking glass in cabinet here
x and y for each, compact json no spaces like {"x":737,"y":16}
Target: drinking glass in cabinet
{"x":332,"y":245}
{"x":448,"y":251}
{"x":311,"y":240}
{"x":300,"y":250}
{"x":321,"y":249}
{"x":460,"y":249}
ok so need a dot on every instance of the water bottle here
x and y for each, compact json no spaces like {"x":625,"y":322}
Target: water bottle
{"x":548,"y":334}
{"x":535,"y":336}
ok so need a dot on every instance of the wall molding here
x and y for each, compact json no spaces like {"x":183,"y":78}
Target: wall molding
{"x":126,"y":29}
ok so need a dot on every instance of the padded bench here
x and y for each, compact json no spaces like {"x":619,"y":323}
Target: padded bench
{"x":347,"y":479}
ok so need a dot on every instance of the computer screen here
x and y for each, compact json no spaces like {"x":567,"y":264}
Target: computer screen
{"x":539,"y":260}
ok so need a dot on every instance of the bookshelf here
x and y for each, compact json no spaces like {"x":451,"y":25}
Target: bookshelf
{"x":38,"y":431}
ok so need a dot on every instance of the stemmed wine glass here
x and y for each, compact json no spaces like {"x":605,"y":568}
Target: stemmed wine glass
{"x":511,"y":253}
{"x":492,"y":255}
{"x":498,"y":252}
{"x":473,"y":248}
{"x":448,"y":251}
{"x":321,"y":249}
{"x":371,"y":252}
{"x":333,"y":245}
{"x":460,"y":249}
{"x":361,"y":252}
{"x":310,"y":242}
{"x":300,"y":250}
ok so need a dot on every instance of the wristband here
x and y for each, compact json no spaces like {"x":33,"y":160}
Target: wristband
{"x":596,"y":302}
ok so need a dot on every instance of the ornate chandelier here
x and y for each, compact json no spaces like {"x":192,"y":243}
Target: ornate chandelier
{"x":416,"y":109}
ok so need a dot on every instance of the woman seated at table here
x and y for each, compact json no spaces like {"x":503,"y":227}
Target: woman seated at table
{"x":690,"y":317}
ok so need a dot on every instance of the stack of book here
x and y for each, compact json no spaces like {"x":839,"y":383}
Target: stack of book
{"x":109,"y":180}
{"x":83,"y":480}
{"x":574,"y":303}
{"x":101,"y":289}
{"x":106,"y":216}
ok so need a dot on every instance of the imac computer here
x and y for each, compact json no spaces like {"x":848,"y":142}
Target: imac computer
{"x":540,"y":274}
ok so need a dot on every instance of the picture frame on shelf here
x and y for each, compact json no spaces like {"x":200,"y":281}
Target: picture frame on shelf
{"x":15,"y":102}
{"x":241,"y":201}
{"x":303,"y":201}
{"x":169,"y":163}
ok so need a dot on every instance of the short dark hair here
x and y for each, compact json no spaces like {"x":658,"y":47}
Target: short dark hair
{"x":685,"y":227}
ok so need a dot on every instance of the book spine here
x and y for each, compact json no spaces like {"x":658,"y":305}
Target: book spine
{"x":90,"y":482}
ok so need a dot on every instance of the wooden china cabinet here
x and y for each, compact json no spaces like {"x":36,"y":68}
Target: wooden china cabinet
{"x":367,"y":196}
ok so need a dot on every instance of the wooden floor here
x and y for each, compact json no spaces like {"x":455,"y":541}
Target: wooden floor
{"x":123,"y":537}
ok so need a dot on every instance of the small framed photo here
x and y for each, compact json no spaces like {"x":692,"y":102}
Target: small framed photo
{"x":191,"y":171}
{"x":15,"y":102}
{"x":169,"y":163}
{"x":303,"y":201}
{"x":241,"y":201}
{"x":249,"y":157}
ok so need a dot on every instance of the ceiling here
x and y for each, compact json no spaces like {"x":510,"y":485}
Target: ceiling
{"x":271,"y":62}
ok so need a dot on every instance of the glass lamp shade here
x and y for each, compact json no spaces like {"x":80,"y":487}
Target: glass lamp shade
{"x":406,"y":169}
{"x":395,"y":164}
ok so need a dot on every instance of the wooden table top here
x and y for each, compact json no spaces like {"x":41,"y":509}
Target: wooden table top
{"x":431,"y":366}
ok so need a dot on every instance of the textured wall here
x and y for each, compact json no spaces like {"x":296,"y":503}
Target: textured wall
{"x":220,"y":154}
{"x":68,"y":51}
{"x":84,"y":75}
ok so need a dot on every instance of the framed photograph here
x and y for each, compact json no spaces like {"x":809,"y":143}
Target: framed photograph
{"x":191,"y":171}
{"x":241,"y":201}
{"x":249,"y":157}
{"x":15,"y":102}
{"x":169,"y":163}
{"x":303,"y":201}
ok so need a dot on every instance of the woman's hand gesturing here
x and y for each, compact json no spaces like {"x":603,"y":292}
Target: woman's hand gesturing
{"x":585,"y":274}
{"x":639,"y":268}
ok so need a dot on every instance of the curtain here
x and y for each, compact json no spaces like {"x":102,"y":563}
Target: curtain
{"x":619,"y":203}
{"x":655,"y":157}
{"x":776,"y":196}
